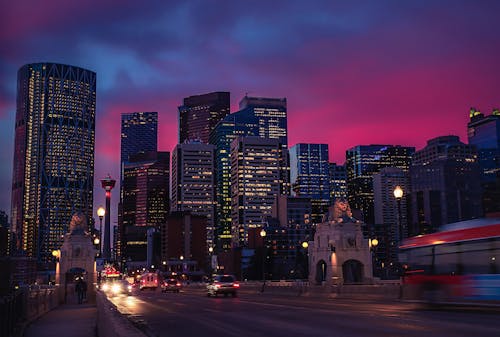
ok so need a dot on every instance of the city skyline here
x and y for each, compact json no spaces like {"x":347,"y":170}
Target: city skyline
{"x":351,"y":75}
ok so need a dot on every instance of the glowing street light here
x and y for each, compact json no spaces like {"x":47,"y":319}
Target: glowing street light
{"x":398,"y":194}
{"x":305,"y":244}
{"x":100,"y":213}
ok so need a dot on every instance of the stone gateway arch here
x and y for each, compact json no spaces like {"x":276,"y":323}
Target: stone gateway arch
{"x":339,"y":254}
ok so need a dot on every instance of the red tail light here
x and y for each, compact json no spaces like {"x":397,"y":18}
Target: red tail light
{"x":178,"y":284}
{"x":236,"y":285}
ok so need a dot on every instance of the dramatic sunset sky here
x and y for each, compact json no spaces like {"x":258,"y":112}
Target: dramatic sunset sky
{"x":353,"y":72}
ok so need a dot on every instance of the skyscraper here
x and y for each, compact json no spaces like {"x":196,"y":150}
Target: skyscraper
{"x":200,"y":114}
{"x":362,"y":162}
{"x":484,"y":132}
{"x":338,"y":182}
{"x":260,"y":117}
{"x":255,"y":172}
{"x":53,"y":174}
{"x":390,"y":217}
{"x":145,"y":201}
{"x":193,"y":182}
{"x":139,"y":134}
{"x":445,"y":181}
{"x":310,"y":176}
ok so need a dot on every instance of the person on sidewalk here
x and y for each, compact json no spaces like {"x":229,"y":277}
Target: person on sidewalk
{"x":84,"y":289}
{"x":79,"y":290}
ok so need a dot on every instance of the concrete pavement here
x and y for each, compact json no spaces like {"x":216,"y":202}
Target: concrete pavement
{"x":76,"y":320}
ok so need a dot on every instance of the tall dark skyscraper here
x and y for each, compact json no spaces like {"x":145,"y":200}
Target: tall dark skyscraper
{"x":145,"y":201}
{"x":362,"y":162}
{"x":484,"y":132}
{"x":139,"y":135}
{"x":445,"y":180}
{"x":310,"y":176}
{"x":338,"y":182}
{"x":199,"y":115}
{"x":53,"y":174}
{"x":260,"y":117}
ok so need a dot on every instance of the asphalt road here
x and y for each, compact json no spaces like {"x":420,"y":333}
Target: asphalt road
{"x":192,"y":313}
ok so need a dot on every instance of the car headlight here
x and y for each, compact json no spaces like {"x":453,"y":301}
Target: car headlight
{"x":129,"y":288}
{"x":116,"y":288}
{"x":105,"y":287}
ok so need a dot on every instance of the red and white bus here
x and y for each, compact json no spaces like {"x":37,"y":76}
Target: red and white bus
{"x":460,"y":264}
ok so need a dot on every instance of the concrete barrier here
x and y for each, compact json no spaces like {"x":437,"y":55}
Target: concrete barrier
{"x":111,"y":323}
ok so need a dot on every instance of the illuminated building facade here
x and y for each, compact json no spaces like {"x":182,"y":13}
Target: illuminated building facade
{"x":193,"y":182}
{"x":310,"y":176}
{"x":261,"y":117}
{"x":445,"y":181}
{"x":338,"y":182}
{"x":484,"y":132}
{"x":387,"y":218}
{"x":139,"y":134}
{"x":53,"y":173}
{"x":199,"y":115}
{"x":255,"y":183}
{"x":362,"y":162}
{"x":145,"y":201}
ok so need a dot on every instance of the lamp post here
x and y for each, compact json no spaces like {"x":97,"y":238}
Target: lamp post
{"x":305,"y":245}
{"x":263,"y":235}
{"x":210,"y":252}
{"x":373,"y":246}
{"x":398,"y":194}
{"x":100,"y":213}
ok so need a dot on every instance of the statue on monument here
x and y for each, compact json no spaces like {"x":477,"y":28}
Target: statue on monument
{"x":78,"y":223}
{"x":340,"y":212}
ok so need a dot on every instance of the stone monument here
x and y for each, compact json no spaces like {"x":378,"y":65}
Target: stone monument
{"x":77,"y":259}
{"x":339,"y":254}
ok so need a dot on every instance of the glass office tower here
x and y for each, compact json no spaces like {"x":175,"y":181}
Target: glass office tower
{"x":53,"y":174}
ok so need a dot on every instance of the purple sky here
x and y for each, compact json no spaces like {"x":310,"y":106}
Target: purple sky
{"x":354,"y":72}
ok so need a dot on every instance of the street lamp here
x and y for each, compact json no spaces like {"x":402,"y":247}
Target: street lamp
{"x":373,"y":243}
{"x":263,"y":235}
{"x":100,"y":213}
{"x":210,"y":252}
{"x":398,"y":194}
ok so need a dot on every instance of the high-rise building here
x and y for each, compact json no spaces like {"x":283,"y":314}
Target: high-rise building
{"x":139,"y":134}
{"x":199,"y":115}
{"x":193,"y":182}
{"x":445,"y":182}
{"x":484,"y":132}
{"x":145,"y":202}
{"x":310,"y":176}
{"x":53,"y":174}
{"x":255,"y":173}
{"x":338,"y":182}
{"x":362,"y":162}
{"x":184,"y":240}
{"x":261,"y":117}
{"x":390,"y":214}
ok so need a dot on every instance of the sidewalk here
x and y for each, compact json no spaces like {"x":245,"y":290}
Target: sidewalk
{"x":66,"y":320}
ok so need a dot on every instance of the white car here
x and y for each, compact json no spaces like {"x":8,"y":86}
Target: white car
{"x":223,"y":284}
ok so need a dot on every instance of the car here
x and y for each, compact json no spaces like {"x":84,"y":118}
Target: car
{"x":118,"y":287}
{"x":171,"y":284}
{"x":223,"y":284}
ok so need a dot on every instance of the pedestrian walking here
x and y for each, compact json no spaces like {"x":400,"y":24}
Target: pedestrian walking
{"x":79,"y":290}
{"x":84,"y":289}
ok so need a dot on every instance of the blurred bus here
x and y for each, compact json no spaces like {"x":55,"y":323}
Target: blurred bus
{"x":460,"y":264}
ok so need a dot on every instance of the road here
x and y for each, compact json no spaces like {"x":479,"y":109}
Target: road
{"x":192,"y":313}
